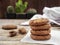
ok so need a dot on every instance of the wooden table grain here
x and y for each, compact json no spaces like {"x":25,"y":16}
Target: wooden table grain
{"x":5,"y":39}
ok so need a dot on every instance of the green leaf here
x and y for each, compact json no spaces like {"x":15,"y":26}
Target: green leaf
{"x":20,"y":6}
{"x":25,"y":4}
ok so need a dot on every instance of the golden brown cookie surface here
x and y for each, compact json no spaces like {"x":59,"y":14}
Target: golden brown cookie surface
{"x":43,"y":27}
{"x":8,"y":27}
{"x":40,"y":21}
{"x":43,"y":32}
{"x":45,"y":37}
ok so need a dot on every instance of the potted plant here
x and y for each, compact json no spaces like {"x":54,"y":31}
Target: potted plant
{"x":10,"y":13}
{"x":20,"y":8}
{"x":31,"y":12}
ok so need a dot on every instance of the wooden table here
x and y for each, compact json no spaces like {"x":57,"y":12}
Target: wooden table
{"x":5,"y":40}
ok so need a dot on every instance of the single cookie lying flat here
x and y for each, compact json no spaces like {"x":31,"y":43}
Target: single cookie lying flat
{"x":40,"y":21}
{"x":8,"y":27}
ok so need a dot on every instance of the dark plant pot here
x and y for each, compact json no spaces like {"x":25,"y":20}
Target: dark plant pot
{"x":30,"y":15}
{"x":10,"y":16}
{"x":20,"y":16}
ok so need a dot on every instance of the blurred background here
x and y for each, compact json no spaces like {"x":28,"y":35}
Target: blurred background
{"x":36,"y":4}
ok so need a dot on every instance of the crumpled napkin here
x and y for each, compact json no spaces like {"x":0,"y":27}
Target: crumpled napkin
{"x":53,"y":14}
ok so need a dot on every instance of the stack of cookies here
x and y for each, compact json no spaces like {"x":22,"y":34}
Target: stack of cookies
{"x":40,"y":29}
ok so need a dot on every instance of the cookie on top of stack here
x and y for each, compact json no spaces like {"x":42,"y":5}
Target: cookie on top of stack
{"x":40,"y":29}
